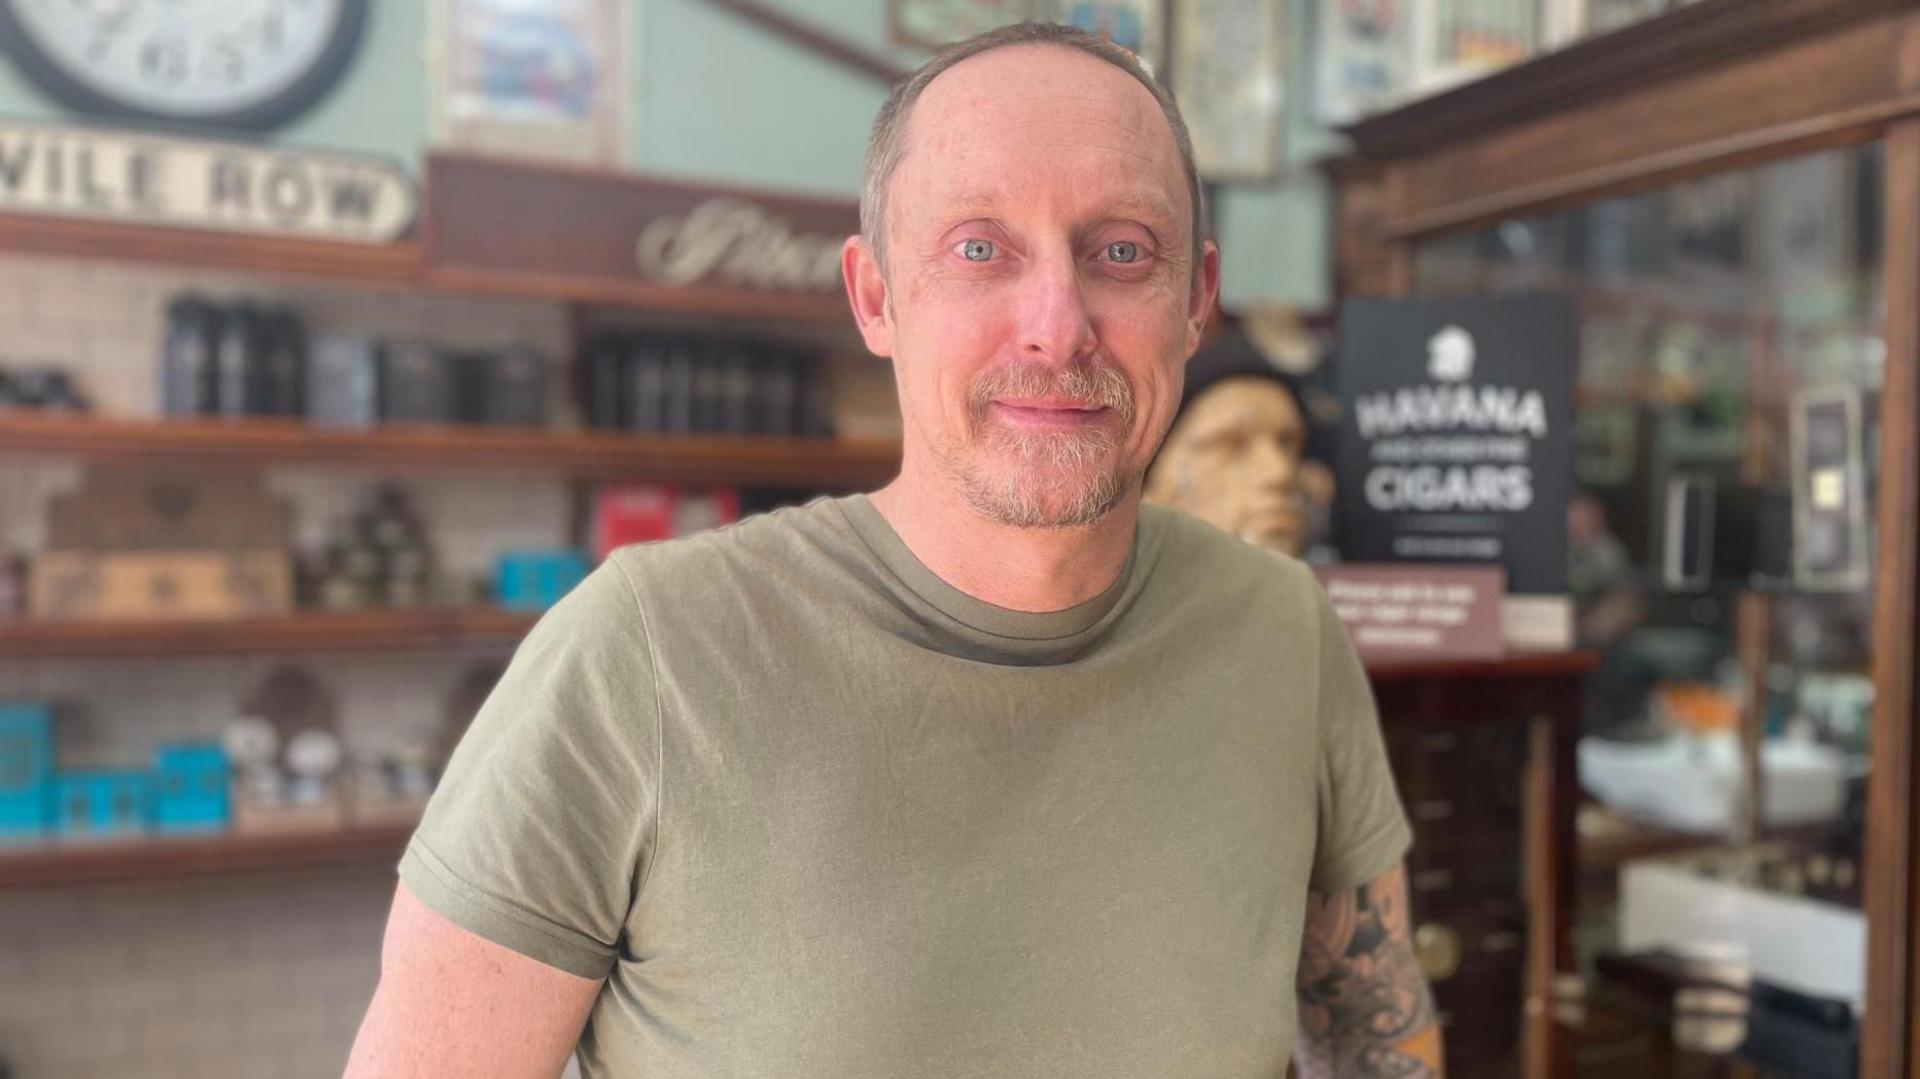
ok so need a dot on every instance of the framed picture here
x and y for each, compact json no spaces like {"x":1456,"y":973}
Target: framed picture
{"x":1139,"y":26}
{"x":544,"y":80}
{"x":1456,"y":41}
{"x":934,"y":24}
{"x":1361,"y":49}
{"x":1226,"y":74}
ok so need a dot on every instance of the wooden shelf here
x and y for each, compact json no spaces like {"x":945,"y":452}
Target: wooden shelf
{"x":53,"y":864}
{"x":362,"y":631}
{"x":375,"y":265}
{"x":827,"y":464}
{"x":1510,"y":666}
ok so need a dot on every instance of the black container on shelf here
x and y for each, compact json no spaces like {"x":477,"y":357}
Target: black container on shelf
{"x":644,"y":362}
{"x":514,"y":389}
{"x":779,"y":393}
{"x":467,"y":377}
{"x":679,"y":406}
{"x":240,"y":385}
{"x":737,"y":391}
{"x":343,"y":384}
{"x":187,"y":358}
{"x":603,"y":383}
{"x":282,"y":365}
{"x":816,"y":403}
{"x":680,"y":384}
{"x":416,"y":384}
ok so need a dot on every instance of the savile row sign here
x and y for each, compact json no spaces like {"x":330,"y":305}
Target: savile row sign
{"x":102,"y":174}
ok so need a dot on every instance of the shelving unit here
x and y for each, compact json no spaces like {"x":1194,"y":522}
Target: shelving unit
{"x":361,"y":264}
{"x":766,"y":462}
{"x":54,"y":865}
{"x":412,"y":267}
{"x":357,"y":631}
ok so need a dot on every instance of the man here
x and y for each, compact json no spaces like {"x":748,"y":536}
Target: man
{"x":992,"y":773}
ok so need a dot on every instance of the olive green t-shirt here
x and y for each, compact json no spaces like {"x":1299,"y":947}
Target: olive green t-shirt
{"x":813,"y":813}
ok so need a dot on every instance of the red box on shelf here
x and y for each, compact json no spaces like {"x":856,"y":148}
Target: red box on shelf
{"x":646,"y":512}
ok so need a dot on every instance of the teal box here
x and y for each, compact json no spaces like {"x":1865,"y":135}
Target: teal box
{"x":536,"y":580}
{"x":97,"y":805}
{"x":191,"y":781}
{"x":26,"y":771}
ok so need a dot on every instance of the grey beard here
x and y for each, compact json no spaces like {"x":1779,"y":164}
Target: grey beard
{"x":1008,"y":496}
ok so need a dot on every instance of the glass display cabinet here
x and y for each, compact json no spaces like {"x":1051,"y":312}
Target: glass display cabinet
{"x":1730,"y":194}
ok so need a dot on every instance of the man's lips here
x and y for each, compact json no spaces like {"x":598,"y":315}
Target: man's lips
{"x":1049,"y":411}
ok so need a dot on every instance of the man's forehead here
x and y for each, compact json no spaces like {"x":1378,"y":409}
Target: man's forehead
{"x":985,"y":128}
{"x":1129,"y":197}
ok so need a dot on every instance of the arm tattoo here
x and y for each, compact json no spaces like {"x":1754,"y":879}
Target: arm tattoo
{"x":1365,"y":1009}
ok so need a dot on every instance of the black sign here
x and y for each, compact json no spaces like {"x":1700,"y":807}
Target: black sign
{"x":1455,"y":426}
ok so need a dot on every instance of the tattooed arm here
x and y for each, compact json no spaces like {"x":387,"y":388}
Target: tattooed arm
{"x":1365,"y":1009}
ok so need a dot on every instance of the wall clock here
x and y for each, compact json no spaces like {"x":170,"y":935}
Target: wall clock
{"x":247,"y":64}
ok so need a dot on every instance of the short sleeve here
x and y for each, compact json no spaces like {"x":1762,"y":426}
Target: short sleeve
{"x":1362,"y":829}
{"x":539,"y":832}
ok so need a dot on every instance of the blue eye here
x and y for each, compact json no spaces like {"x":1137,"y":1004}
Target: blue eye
{"x":976,"y":250}
{"x":1123,"y":251}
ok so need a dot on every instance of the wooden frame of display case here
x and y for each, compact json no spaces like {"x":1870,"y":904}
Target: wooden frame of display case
{"x":1715,"y":86}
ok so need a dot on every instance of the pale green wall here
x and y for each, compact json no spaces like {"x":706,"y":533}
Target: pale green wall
{"x":715,"y":97}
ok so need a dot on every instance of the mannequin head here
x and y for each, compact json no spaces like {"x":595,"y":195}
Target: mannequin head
{"x":1234,"y":459}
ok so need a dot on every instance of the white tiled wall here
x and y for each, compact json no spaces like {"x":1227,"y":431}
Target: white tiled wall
{"x":249,"y":976}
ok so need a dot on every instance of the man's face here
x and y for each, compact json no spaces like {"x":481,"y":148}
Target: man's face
{"x":1233,"y":460}
{"x":1040,"y":295}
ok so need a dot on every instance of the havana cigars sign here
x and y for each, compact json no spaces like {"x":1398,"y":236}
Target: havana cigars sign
{"x":1455,"y":444}
{"x":138,"y":178}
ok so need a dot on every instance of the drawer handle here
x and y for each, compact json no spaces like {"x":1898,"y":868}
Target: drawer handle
{"x":1432,"y":880}
{"x":1444,"y":742}
{"x":1438,"y":949}
{"x":1432,"y":809}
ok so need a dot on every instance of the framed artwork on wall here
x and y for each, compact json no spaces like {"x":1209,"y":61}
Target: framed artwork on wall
{"x":1227,"y":75}
{"x":1139,"y":26}
{"x":545,"y":80}
{"x":933,"y":24}
{"x":1361,"y":50}
{"x":1456,"y":41}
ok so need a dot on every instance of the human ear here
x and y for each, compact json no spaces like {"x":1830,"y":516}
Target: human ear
{"x":867,"y":293}
{"x":1205,"y":292}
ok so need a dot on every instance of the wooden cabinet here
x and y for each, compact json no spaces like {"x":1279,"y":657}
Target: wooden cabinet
{"x":1480,"y":754}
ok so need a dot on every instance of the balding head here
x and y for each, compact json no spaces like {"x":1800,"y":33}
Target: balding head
{"x":891,"y":136}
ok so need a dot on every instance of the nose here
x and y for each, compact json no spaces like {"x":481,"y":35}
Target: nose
{"x":1055,"y":324}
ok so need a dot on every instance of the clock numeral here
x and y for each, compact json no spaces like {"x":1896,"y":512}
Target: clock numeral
{"x":225,"y":61}
{"x":164,"y":60}
{"x":105,"y":29}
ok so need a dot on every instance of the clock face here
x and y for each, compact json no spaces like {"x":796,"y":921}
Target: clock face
{"x":245,"y":63}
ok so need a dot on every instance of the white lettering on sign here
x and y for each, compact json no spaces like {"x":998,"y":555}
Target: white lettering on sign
{"x":80,"y":172}
{"x":1432,"y":489}
{"x":732,"y":242}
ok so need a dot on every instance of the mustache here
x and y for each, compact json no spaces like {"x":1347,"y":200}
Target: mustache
{"x":1094,"y":383}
